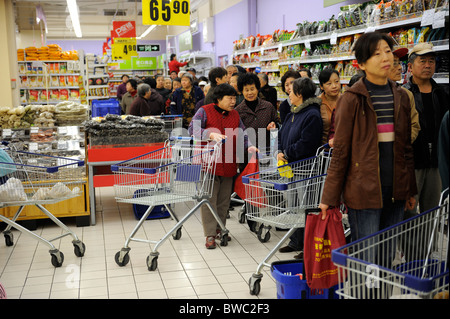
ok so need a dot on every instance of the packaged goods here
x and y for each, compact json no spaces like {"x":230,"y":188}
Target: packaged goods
{"x":64,"y":94}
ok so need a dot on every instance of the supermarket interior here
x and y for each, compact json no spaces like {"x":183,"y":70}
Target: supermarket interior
{"x":100,"y":197}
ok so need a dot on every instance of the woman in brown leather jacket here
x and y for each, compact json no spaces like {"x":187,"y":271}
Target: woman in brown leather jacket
{"x":372,"y":164}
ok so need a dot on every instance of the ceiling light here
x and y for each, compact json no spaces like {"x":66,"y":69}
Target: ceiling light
{"x":149,"y":29}
{"x":74,"y":15}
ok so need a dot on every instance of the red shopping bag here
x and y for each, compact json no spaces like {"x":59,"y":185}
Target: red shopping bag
{"x":321,"y":237}
{"x":254,"y":191}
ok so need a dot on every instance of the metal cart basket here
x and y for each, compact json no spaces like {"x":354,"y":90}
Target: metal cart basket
{"x":281,"y":196}
{"x":182,"y":171}
{"x":407,"y":260}
{"x":36,"y":179}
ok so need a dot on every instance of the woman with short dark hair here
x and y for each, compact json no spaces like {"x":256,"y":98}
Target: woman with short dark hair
{"x":286,"y":85}
{"x":256,"y":113}
{"x":330,"y":84}
{"x":214,"y":121}
{"x":299,"y":138}
{"x":372,"y":165}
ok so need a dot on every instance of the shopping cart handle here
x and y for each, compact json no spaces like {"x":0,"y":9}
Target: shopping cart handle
{"x":181,"y":138}
{"x":6,"y":143}
{"x":314,"y":211}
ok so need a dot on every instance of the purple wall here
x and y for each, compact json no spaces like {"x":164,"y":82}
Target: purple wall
{"x":96,"y":46}
{"x":270,"y":16}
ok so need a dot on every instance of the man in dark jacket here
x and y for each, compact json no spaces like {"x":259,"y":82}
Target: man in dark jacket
{"x":148,"y":102}
{"x":268,"y":93}
{"x":432,"y":102}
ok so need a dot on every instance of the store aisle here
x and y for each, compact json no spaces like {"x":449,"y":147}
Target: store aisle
{"x":186,"y":269}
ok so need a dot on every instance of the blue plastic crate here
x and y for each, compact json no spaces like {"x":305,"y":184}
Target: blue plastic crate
{"x":290,"y":285}
{"x":158,"y":212}
{"x":103,"y":107}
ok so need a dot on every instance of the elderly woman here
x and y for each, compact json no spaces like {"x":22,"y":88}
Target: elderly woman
{"x":148,"y":102}
{"x":299,"y":138}
{"x":257,"y":114}
{"x":185,"y":98}
{"x":372,"y":165}
{"x":214,"y":121}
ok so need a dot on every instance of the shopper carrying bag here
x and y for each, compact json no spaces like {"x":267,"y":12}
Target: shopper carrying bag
{"x":321,"y":237}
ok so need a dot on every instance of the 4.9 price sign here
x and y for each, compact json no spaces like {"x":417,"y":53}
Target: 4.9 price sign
{"x":166,"y":12}
{"x":124,"y":49}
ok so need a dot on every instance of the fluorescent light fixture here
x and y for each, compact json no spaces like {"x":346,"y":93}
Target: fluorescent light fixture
{"x":74,"y":15}
{"x":149,"y":29}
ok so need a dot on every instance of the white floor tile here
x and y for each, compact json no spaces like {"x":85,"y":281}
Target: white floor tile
{"x":186,"y":269}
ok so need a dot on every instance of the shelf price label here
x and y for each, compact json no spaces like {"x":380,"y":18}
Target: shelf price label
{"x":124,"y":49}
{"x":166,"y":12}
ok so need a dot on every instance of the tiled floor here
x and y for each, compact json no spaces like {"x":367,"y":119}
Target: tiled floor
{"x":186,"y":269}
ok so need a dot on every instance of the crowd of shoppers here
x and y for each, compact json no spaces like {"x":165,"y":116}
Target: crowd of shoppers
{"x":390,"y":141}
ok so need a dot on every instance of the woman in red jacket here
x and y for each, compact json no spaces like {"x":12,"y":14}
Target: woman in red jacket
{"x":174,"y":65}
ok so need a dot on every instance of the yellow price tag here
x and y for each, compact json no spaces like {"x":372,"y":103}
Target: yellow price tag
{"x":166,"y":12}
{"x":124,"y":49}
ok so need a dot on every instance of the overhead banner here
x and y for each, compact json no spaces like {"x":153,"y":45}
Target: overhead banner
{"x":166,"y":12}
{"x":124,"y":49}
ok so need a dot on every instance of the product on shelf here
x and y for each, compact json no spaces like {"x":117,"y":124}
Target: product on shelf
{"x":71,"y":113}
{"x":46,"y":53}
{"x":125,"y":130}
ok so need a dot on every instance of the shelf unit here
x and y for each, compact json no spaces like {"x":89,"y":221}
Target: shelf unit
{"x":201,"y":61}
{"x":51,"y":81}
{"x":97,"y":79}
{"x":272,"y":61}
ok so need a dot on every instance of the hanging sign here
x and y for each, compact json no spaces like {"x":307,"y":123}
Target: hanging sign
{"x":123,"y":29}
{"x":124,"y":49}
{"x":148,"y":47}
{"x":166,"y":12}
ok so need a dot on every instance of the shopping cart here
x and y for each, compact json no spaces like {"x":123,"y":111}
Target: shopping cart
{"x":36,"y":179}
{"x":281,"y":197}
{"x":407,"y":260}
{"x":182,"y":171}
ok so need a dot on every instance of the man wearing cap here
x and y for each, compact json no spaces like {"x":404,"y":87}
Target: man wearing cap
{"x":193,"y":72}
{"x":432,"y":102}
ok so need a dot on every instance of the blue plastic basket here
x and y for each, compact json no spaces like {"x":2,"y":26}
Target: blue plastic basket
{"x":290,"y":284}
{"x":103,"y":107}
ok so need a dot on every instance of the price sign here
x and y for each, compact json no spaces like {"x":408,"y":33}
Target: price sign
{"x":166,"y":12}
{"x":124,"y":48}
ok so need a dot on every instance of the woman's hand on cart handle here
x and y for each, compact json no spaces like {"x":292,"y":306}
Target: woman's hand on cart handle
{"x":253,"y":150}
{"x":323,"y":208}
{"x":219,"y":138}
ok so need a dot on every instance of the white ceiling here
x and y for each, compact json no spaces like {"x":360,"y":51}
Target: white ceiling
{"x":96,"y":17}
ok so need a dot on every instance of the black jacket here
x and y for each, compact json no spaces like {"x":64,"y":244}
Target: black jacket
{"x":423,"y":158}
{"x":269,"y":94}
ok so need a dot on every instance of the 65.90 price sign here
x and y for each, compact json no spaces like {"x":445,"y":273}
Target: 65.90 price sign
{"x":166,"y":12}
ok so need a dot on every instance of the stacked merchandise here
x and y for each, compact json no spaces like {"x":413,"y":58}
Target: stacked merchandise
{"x":70,"y":113}
{"x":20,"y":55}
{"x":51,"y":52}
{"x":124,"y":131}
{"x":27,"y":116}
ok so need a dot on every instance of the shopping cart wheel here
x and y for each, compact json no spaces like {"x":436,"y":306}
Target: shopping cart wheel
{"x":57,"y":258}
{"x":224,"y":239}
{"x":79,"y":248}
{"x":264,"y":233}
{"x":9,"y":238}
{"x":177,"y":234}
{"x":122,"y":257}
{"x":254,"y":284}
{"x":152,"y":262}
